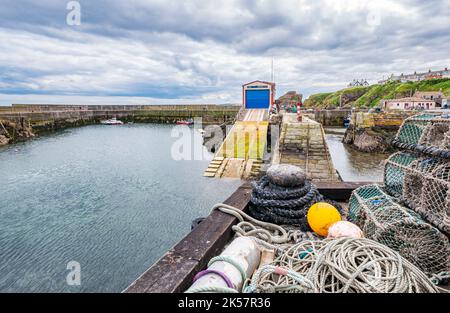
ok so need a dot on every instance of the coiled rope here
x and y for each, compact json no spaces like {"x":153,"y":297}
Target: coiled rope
{"x":341,"y":266}
{"x":230,"y":288}
{"x":266,"y":235}
{"x":301,"y":285}
{"x":284,"y":206}
{"x":212,"y":289}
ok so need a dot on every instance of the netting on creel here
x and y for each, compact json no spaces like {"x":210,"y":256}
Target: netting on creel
{"x":421,"y":183}
{"x":399,"y":228}
{"x":426,"y":134}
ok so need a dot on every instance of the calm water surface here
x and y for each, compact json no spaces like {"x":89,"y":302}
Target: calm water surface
{"x":353,"y":165}
{"x":110,"y":198}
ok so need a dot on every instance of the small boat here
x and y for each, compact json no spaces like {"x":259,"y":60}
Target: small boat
{"x":111,"y":121}
{"x":190,"y":122}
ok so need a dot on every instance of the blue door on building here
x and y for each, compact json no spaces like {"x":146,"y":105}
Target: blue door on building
{"x":257,"y":99}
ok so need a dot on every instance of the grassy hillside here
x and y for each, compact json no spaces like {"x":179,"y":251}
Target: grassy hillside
{"x":370,"y":96}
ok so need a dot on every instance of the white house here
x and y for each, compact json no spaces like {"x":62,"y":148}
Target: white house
{"x":409,"y":104}
{"x":418,"y":76}
{"x":429,"y":95}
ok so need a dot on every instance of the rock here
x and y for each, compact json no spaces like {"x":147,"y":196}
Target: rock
{"x":369,"y":140}
{"x":348,"y":136}
{"x":286,"y":175}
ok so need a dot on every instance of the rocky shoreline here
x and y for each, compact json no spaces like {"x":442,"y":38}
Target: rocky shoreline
{"x":11,"y":132}
{"x":370,"y":140}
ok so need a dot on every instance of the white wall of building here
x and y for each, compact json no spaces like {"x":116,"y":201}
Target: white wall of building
{"x":400,"y":104}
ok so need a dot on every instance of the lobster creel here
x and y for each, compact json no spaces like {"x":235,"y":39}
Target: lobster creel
{"x":427,"y":134}
{"x":403,"y":230}
{"x":422,"y":184}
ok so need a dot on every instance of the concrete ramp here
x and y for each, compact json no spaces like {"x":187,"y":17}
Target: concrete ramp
{"x":242,"y":150}
{"x":256,"y":115}
{"x":234,"y":168}
{"x":246,"y":140}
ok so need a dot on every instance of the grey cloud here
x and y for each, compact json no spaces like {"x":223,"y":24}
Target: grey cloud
{"x":197,"y":48}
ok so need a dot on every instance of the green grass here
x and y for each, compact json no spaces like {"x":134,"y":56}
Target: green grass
{"x":370,"y":96}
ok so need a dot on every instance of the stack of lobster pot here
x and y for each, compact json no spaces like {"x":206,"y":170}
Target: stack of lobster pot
{"x":413,"y":208}
{"x":419,"y":176}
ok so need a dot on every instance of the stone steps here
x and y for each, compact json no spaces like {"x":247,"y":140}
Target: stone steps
{"x":213,"y":167}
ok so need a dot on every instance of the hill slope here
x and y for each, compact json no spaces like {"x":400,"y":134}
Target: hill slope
{"x":370,"y":96}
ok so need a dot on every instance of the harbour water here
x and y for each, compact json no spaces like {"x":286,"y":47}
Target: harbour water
{"x":352,"y":165}
{"x":111,"y":198}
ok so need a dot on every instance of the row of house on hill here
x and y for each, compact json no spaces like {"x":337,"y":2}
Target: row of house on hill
{"x":420,"y":101}
{"x":417,"y":76}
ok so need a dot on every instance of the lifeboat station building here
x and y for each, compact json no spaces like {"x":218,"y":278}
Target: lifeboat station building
{"x":258,"y":95}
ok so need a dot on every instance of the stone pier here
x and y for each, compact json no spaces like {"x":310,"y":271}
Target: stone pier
{"x":303,"y":144}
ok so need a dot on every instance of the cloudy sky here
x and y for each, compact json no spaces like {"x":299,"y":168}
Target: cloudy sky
{"x":201,"y":51}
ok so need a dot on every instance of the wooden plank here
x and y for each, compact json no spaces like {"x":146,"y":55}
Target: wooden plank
{"x":175,"y":270}
{"x":339,"y":191}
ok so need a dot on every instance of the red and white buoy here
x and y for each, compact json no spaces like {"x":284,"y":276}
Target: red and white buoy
{"x":299,"y":114}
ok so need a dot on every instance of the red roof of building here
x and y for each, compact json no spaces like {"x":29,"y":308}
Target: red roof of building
{"x":259,"y":81}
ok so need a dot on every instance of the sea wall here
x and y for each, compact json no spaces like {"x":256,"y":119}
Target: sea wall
{"x":332,"y":118}
{"x":41,"y":118}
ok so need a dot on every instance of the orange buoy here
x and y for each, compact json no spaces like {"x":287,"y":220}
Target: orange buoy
{"x":321,"y":216}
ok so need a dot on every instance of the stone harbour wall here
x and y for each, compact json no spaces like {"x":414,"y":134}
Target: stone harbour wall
{"x":24,"y":121}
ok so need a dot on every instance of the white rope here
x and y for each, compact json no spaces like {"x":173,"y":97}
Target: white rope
{"x":266,"y":234}
{"x":301,"y":284}
{"x":212,"y":289}
{"x":344,"y":265}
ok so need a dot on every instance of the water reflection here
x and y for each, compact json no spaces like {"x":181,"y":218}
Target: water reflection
{"x":353,"y":165}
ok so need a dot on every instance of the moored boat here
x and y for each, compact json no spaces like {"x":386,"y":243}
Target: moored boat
{"x":184,"y":122}
{"x":111,"y":121}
